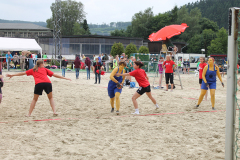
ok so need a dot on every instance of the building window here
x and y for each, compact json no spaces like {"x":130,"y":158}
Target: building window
{"x":13,"y":34}
{"x":21,"y":34}
{"x":5,"y":34}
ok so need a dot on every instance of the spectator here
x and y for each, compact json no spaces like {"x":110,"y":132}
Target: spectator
{"x":106,"y":58}
{"x":22,"y":61}
{"x":15,"y":60}
{"x":111,"y":61}
{"x":97,"y":66}
{"x":168,"y":66}
{"x":39,"y":55}
{"x":60,"y":57}
{"x":88,"y":67}
{"x":83,"y":58}
{"x":8,"y":59}
{"x":102,"y":55}
{"x":36,"y":58}
{"x":77,"y":64}
{"x":27,"y":60}
{"x":45,"y":58}
{"x":64,"y":66}
{"x":99,"y":58}
{"x":94,"y":57}
{"x":115,"y":62}
{"x":126,"y":57}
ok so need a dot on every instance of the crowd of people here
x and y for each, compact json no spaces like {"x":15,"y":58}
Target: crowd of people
{"x":123,"y":69}
{"x":19,"y":59}
{"x":99,"y":65}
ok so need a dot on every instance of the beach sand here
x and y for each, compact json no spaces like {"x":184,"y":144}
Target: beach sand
{"x":85,"y":128}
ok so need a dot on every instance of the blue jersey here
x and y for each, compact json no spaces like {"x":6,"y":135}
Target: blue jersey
{"x":211,"y":75}
{"x":112,"y":86}
{"x":211,"y":79}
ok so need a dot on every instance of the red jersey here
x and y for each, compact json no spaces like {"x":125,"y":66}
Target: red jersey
{"x":40,"y":76}
{"x":201,"y":67}
{"x":169,"y":66}
{"x":237,"y":66}
{"x":140,"y":76}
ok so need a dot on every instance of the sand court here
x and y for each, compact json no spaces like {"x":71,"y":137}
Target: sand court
{"x":85,"y":128}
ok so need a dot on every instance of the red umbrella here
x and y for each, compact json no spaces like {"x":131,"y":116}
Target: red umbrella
{"x":168,"y":32}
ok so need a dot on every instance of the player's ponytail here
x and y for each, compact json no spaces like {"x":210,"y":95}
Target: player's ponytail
{"x":39,"y":62}
{"x":139,"y":64}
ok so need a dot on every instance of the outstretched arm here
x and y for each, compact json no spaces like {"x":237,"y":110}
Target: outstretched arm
{"x":204,"y":74}
{"x":61,"y":77}
{"x":17,"y":74}
{"x":125,"y":74}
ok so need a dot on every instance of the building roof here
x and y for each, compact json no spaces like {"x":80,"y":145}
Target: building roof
{"x":95,"y":36}
{"x":26,"y":26}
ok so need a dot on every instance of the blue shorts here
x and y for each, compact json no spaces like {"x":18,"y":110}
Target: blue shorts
{"x":212,"y":85}
{"x":112,"y":90}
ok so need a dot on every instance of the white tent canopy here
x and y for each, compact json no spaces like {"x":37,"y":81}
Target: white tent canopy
{"x":19,"y":44}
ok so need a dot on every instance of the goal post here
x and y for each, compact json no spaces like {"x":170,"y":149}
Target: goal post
{"x":231,"y":83}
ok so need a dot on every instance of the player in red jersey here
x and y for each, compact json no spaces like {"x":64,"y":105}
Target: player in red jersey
{"x":42,"y":82}
{"x":168,"y":66}
{"x":144,"y":85}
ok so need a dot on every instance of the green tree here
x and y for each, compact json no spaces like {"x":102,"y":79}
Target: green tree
{"x":78,"y":29}
{"x":174,"y":15}
{"x":71,"y":12}
{"x":143,"y":49}
{"x":141,"y":23}
{"x":86,"y":28}
{"x":195,"y":44}
{"x":159,"y":21}
{"x":219,"y":44}
{"x":117,"y":49}
{"x":192,"y":19}
{"x":207,"y":36}
{"x":208,"y":24}
{"x":131,"y":48}
{"x":118,"y":33}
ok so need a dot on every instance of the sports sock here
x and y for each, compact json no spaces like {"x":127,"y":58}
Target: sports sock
{"x":137,"y":110}
{"x":156,"y":105}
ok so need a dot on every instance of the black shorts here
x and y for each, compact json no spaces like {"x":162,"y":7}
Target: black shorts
{"x":47,"y":87}
{"x":142,"y":90}
{"x":200,"y":81}
{"x":130,"y":70}
{"x":169,"y":76}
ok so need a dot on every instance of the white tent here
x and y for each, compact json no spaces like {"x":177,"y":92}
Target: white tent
{"x":19,"y":44}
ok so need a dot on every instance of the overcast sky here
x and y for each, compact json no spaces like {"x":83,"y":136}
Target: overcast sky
{"x":98,"y":11}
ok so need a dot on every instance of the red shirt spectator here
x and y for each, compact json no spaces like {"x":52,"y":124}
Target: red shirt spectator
{"x":169,"y":66}
{"x":140,"y":76}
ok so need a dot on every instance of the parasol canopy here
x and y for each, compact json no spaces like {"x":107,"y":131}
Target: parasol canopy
{"x":168,"y":32}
